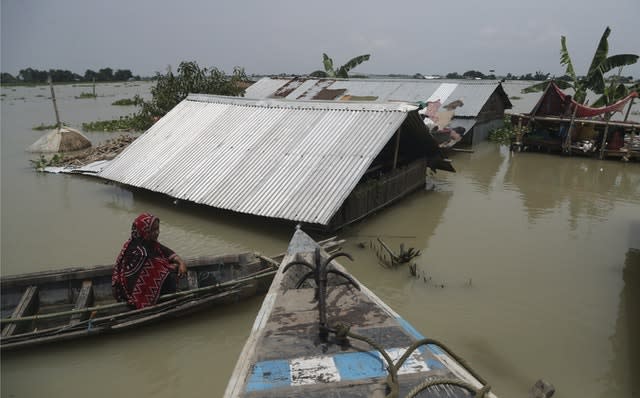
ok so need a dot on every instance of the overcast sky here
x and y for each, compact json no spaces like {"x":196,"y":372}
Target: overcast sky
{"x":273,"y":36}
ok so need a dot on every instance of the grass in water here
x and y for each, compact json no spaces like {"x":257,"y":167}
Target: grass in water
{"x":86,"y":95}
{"x":42,"y":127}
{"x":125,"y":102}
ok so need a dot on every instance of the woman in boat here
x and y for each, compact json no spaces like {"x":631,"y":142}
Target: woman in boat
{"x":145,"y":269}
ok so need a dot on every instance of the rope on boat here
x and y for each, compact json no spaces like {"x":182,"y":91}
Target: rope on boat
{"x":392,"y":379}
{"x":480,"y":393}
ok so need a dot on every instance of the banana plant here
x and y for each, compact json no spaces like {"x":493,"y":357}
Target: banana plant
{"x":594,"y":80}
{"x":615,"y":91}
{"x":343,"y":71}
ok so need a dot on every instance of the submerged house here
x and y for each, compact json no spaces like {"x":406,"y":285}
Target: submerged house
{"x":557,"y":123}
{"x":325,"y":164}
{"x":476,"y":106}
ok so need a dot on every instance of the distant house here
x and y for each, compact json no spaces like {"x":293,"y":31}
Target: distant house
{"x":482,"y":109}
{"x":559,"y":124}
{"x":322,"y":163}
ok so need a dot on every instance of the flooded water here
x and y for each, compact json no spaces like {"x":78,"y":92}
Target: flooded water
{"x":530,"y":266}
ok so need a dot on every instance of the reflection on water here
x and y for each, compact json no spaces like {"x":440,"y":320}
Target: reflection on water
{"x":528,"y":254}
{"x":584,"y":186}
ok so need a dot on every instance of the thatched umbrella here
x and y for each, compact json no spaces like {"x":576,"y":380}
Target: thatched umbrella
{"x":63,"y":139}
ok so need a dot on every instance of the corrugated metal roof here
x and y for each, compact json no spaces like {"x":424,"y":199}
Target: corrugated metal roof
{"x":474,"y":94}
{"x":290,"y":160}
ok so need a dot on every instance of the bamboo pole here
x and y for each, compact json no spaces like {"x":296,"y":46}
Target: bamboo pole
{"x":626,"y":116}
{"x":567,"y":140}
{"x":604,"y":137}
{"x":55,"y":106}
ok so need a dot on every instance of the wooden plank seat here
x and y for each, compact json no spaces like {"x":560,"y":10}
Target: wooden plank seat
{"x":28,"y":305}
{"x":85,"y":300}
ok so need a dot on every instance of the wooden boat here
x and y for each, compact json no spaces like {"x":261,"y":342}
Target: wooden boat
{"x":322,"y":333}
{"x":52,"y":306}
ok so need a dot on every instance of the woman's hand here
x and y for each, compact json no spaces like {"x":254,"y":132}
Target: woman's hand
{"x":181,"y":268}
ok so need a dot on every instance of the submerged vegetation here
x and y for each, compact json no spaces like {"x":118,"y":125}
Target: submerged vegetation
{"x":504,"y":134}
{"x":43,"y":127}
{"x":86,"y":95}
{"x":42,"y":162}
{"x":125,"y":123}
{"x":126,"y":101}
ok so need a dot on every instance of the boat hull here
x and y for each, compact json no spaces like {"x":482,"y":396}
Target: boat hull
{"x":358,"y":355}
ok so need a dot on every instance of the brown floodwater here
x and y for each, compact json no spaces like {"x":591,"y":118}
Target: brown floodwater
{"x":529,"y":266}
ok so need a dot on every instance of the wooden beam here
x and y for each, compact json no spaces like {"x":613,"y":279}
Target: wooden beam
{"x":626,"y":116}
{"x":84,"y":300}
{"x":28,"y":305}
{"x":624,"y":125}
{"x":192,"y":280}
{"x":397,"y":149}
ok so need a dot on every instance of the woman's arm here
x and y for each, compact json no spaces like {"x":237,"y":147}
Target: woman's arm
{"x":182,"y":266}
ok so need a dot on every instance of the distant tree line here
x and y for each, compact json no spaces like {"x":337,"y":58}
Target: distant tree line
{"x":30,"y":76}
{"x":538,"y":76}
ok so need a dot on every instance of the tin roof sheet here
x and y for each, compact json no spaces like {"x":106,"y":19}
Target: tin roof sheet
{"x":274,"y":158}
{"x":473,"y":94}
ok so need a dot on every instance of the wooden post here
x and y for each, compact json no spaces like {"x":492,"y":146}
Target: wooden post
{"x":627,"y":145}
{"x":519,"y":134}
{"x":94,"y":87}
{"x":604,"y":136}
{"x":567,"y":140}
{"x":55,"y":106}
{"x":628,"y":110}
{"x":395,"y":154}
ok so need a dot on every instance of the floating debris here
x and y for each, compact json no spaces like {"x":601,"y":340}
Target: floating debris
{"x":106,"y":151}
{"x":394,"y":259}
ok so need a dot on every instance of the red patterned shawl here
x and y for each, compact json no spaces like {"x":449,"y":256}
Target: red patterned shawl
{"x":142,"y":266}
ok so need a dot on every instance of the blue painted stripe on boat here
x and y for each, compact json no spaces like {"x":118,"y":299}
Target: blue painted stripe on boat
{"x":410,"y":329}
{"x":269,"y":374}
{"x":435,"y":364}
{"x":348,"y":366}
{"x":432,"y":363}
{"x":359,"y":365}
{"x":435,"y":349}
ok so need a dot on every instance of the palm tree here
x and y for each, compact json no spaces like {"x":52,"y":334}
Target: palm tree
{"x":594,"y":79}
{"x":343,"y":71}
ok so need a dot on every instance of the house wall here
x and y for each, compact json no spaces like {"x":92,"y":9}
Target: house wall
{"x":490,"y":117}
{"x":480,"y":131}
{"x":374,"y":194}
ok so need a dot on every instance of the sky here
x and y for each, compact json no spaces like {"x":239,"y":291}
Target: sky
{"x":289,"y":36}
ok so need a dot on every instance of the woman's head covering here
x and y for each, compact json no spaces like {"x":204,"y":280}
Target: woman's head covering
{"x":141,"y":227}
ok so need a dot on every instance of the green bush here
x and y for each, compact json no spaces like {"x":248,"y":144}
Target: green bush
{"x":504,"y":134}
{"x":169,"y":90}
